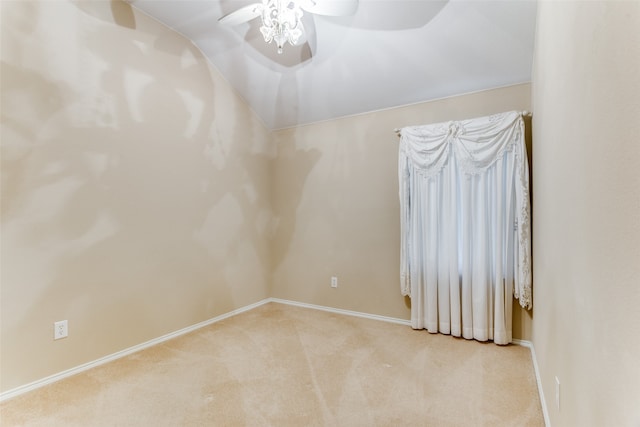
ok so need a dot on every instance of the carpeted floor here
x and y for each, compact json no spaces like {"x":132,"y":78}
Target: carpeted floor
{"x":279,"y":365}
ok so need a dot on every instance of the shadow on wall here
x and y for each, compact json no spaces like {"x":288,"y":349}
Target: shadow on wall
{"x":127,"y":203}
{"x":292,"y":168}
{"x":357,"y":201}
{"x":336,"y":190}
{"x":111,"y":12}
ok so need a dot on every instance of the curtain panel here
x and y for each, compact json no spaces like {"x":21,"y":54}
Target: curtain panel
{"x":465,"y":225}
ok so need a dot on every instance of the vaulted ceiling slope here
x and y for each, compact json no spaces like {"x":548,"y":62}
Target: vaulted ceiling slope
{"x":389,"y":53}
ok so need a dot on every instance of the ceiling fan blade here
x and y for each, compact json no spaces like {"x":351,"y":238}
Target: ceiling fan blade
{"x":242,"y":15}
{"x":330,"y":7}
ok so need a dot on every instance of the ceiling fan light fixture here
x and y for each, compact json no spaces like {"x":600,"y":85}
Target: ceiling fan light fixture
{"x":281,"y":22}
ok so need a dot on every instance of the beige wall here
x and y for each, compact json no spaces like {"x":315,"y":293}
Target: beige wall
{"x":586,"y":211}
{"x":335,"y":195}
{"x":135,"y":186}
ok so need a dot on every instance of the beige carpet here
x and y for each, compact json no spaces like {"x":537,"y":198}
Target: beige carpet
{"x":279,"y":365}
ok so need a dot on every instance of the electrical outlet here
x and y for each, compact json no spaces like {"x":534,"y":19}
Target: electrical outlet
{"x":334,"y":282}
{"x":557,"y":393}
{"x":60,"y":329}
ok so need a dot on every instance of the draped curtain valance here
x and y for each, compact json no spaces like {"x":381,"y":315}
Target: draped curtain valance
{"x":465,"y":226}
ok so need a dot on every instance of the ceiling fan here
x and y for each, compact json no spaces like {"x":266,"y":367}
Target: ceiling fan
{"x":281,"y":19}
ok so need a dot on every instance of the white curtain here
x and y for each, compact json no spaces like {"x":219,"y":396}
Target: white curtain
{"x":465,"y":229}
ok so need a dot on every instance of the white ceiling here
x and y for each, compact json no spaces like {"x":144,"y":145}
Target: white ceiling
{"x":390,"y":53}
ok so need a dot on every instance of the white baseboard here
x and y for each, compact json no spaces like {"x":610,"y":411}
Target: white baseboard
{"x":76,"y":370}
{"x":543,"y":403}
{"x":341,"y":311}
